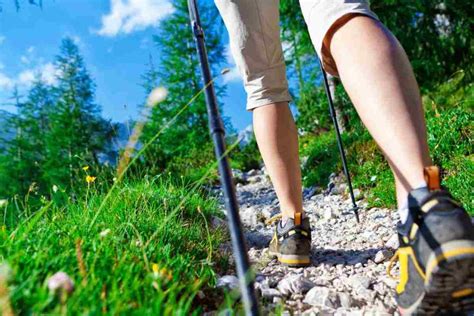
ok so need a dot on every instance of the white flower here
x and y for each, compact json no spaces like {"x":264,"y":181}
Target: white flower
{"x":5,"y":272}
{"x":55,"y":188}
{"x":104,"y":233}
{"x":60,"y":281}
{"x":3,"y":202}
{"x":156,"y":96}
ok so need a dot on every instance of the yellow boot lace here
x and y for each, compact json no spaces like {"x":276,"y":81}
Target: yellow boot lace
{"x":391,"y":264}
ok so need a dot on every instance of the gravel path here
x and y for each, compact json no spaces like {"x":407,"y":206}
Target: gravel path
{"x":347,"y":275}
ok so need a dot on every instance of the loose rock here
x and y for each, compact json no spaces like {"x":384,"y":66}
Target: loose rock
{"x":347,"y":272}
{"x":321,"y":297}
{"x":229,"y":282}
{"x":294,"y":284}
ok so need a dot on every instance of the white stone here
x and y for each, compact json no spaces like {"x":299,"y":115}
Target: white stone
{"x":229,"y":282}
{"x":393,"y":242}
{"x":320,"y":296}
{"x":382,"y":255}
{"x":294,"y":284}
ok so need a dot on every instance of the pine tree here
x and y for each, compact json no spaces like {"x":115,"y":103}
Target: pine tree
{"x":25,"y":153}
{"x":187,"y":143}
{"x":77,"y":132}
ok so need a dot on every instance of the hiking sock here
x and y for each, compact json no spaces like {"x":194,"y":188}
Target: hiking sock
{"x":403,"y":210}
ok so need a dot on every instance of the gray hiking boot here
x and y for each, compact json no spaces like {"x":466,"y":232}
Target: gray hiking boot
{"x":436,"y":254}
{"x":291,"y":243}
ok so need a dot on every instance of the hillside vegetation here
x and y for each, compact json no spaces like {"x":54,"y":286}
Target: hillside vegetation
{"x":134,"y":235}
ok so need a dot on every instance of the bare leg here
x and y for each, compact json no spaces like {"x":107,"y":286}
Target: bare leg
{"x":277,"y":140}
{"x":378,"y":77}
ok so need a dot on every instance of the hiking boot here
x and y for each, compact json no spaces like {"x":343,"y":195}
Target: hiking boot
{"x":291,"y":242}
{"x":436,"y":254}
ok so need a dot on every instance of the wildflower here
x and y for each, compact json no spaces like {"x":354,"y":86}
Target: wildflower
{"x":155,"y":268}
{"x":104,"y":233}
{"x":33,"y":188}
{"x":156,"y":96}
{"x":161,"y":273}
{"x":90,"y":179}
{"x":60,"y":281}
{"x":85,"y":168}
{"x":6,"y":272}
{"x":55,"y":188}
{"x":3,"y":202}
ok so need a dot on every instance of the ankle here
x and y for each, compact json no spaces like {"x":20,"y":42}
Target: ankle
{"x":291,"y":215}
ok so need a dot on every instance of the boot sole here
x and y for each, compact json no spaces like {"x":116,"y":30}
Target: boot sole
{"x":294,"y":260}
{"x":449,"y":285}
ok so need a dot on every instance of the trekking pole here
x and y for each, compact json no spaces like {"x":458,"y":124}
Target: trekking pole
{"x":340,"y":145}
{"x":217,"y":132}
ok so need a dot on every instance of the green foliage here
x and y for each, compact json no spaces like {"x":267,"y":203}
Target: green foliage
{"x":247,"y":157}
{"x":147,"y":254}
{"x":186,"y":145}
{"x":437,"y":35}
{"x":77,"y":132}
{"x":450,"y":121}
{"x":450,"y":135}
{"x":25,"y":153}
{"x":58,"y":130}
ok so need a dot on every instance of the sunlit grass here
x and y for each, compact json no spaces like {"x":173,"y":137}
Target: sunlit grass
{"x":142,"y":246}
{"x":120,"y":270}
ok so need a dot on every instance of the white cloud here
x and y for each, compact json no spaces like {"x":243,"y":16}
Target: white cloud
{"x":47,"y":72}
{"x":29,"y":56}
{"x":6,"y":83}
{"x":24,"y":59}
{"x":234,"y":74}
{"x":25,"y":78}
{"x":127,"y":16}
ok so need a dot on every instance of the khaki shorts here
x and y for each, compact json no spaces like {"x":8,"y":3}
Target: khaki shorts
{"x":254,"y":33}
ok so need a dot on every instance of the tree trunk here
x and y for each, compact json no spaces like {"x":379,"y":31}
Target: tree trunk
{"x":298,"y":61}
{"x":341,"y":121}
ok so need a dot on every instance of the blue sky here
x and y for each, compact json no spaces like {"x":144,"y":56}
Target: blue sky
{"x":114,"y":37}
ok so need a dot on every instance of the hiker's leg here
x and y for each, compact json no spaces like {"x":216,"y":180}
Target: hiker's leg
{"x":277,"y":139}
{"x":254,"y":34}
{"x":380,"y":82}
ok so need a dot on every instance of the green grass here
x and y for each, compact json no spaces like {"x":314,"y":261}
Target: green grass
{"x":450,"y":121}
{"x":158,"y":254}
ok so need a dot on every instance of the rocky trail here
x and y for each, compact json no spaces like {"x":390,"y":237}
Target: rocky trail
{"x":347,"y":275}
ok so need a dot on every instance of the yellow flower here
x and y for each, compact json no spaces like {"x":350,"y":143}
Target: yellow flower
{"x":90,"y":179}
{"x":161,"y":273}
{"x":85,"y":168}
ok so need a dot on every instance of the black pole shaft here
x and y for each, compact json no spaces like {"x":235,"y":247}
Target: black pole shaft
{"x":340,"y":145}
{"x":217,"y":132}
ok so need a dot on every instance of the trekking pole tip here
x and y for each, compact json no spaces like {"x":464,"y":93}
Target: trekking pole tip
{"x":356,"y":213}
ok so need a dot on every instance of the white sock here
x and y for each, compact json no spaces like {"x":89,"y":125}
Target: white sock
{"x":403,"y":210}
